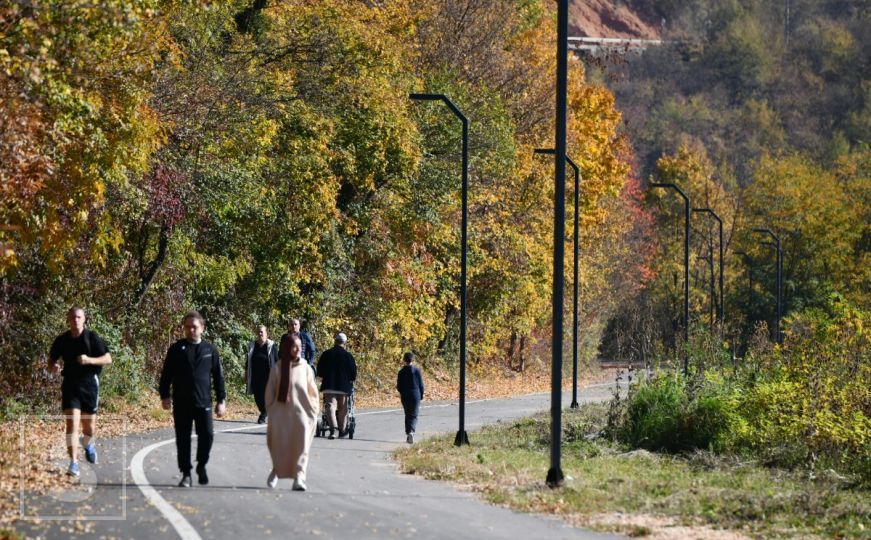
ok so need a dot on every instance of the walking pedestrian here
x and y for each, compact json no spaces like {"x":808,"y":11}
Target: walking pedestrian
{"x":409,"y":383}
{"x":262,"y":355}
{"x":337,"y":370}
{"x":293,"y":408}
{"x":84,"y":354}
{"x":309,"y":351}
{"x":191,"y":366}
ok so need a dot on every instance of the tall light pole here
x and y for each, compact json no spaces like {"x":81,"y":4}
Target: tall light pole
{"x":575,"y":323}
{"x":462,"y":437}
{"x":686,"y":270}
{"x":555,"y":475}
{"x":779,"y":281}
{"x":721,"y":310}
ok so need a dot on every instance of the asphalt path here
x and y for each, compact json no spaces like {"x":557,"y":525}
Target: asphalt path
{"x":354,"y":487}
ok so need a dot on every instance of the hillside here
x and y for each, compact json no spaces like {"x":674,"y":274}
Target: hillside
{"x":606,"y":18}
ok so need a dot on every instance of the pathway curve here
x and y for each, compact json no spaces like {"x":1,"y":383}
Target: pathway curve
{"x":355,"y":490}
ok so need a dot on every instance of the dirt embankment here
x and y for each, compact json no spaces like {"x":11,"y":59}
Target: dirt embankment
{"x":609,"y":19}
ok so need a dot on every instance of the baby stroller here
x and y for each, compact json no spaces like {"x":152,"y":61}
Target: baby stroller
{"x":324,"y":424}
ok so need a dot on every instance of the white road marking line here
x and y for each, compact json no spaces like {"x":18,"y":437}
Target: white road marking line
{"x":181,"y":525}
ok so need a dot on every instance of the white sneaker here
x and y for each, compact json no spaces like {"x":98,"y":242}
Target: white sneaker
{"x":272,"y":481}
{"x":299,"y":485}
{"x":410,"y":438}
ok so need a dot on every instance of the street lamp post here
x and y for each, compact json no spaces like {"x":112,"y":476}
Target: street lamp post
{"x":555,"y":475}
{"x":721,"y":310}
{"x":577,"y":249}
{"x":686,"y":270}
{"x":779,"y":281}
{"x":462,"y":437}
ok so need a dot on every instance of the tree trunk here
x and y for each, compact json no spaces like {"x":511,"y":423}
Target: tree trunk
{"x":147,"y":272}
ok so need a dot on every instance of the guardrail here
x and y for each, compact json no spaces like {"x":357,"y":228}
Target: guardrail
{"x":612,"y":44}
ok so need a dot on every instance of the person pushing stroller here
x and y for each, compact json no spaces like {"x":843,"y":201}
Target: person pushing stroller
{"x":338,"y":371}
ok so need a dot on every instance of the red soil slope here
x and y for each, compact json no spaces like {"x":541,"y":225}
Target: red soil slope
{"x":608,"y":18}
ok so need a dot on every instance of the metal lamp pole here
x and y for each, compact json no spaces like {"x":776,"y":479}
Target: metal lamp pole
{"x":721,"y":310}
{"x":779,"y":267}
{"x":555,"y":475}
{"x":686,"y":270}
{"x":462,"y":437}
{"x":575,"y":323}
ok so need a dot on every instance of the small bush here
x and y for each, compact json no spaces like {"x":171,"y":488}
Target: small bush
{"x":126,"y":377}
{"x":654,"y":415}
{"x":805,"y":404}
{"x":667,"y":414}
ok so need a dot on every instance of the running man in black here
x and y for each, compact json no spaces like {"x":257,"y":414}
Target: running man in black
{"x":84,"y":354}
{"x":191,"y":365}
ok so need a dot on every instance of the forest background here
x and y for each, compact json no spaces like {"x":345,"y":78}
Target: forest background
{"x":260,"y":160}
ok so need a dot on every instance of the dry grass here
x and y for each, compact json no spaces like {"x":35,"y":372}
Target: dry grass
{"x":641,"y":493}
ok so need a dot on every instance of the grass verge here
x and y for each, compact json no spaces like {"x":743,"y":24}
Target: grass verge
{"x":640,"y":493}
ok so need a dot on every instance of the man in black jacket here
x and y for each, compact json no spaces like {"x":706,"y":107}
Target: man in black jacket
{"x":191,"y":365}
{"x":337,"y":370}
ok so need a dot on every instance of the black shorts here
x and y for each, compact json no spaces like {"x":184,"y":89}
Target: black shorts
{"x":82,"y":394}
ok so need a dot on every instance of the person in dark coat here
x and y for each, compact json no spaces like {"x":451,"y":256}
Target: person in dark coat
{"x":309,"y":351}
{"x":409,"y":383}
{"x":337,"y":370}
{"x":262,"y":355}
{"x":191,"y":366}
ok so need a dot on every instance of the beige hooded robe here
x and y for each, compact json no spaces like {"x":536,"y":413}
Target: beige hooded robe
{"x":291,"y":425}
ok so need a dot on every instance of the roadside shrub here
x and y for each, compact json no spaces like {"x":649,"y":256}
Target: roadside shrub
{"x":231,"y":338}
{"x":811,"y":401}
{"x":126,"y":377}
{"x":804,"y":404}
{"x":670,"y":413}
{"x":654,"y":414}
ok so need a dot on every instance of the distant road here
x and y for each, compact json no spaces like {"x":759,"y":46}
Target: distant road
{"x":596,"y":44}
{"x":354,"y":491}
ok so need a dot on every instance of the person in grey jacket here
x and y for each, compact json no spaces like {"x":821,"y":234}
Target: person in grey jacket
{"x":262,"y":355}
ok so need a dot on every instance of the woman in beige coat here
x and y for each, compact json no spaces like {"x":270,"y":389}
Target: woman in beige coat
{"x":292,"y":409}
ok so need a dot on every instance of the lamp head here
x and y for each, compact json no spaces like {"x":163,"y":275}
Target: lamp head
{"x":425,"y":97}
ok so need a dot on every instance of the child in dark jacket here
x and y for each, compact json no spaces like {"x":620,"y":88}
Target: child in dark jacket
{"x":409,"y":382}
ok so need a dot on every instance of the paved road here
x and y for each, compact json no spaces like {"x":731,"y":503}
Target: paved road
{"x":354,"y":491}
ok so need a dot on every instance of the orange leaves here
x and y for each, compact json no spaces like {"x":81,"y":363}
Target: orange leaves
{"x":24,"y":167}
